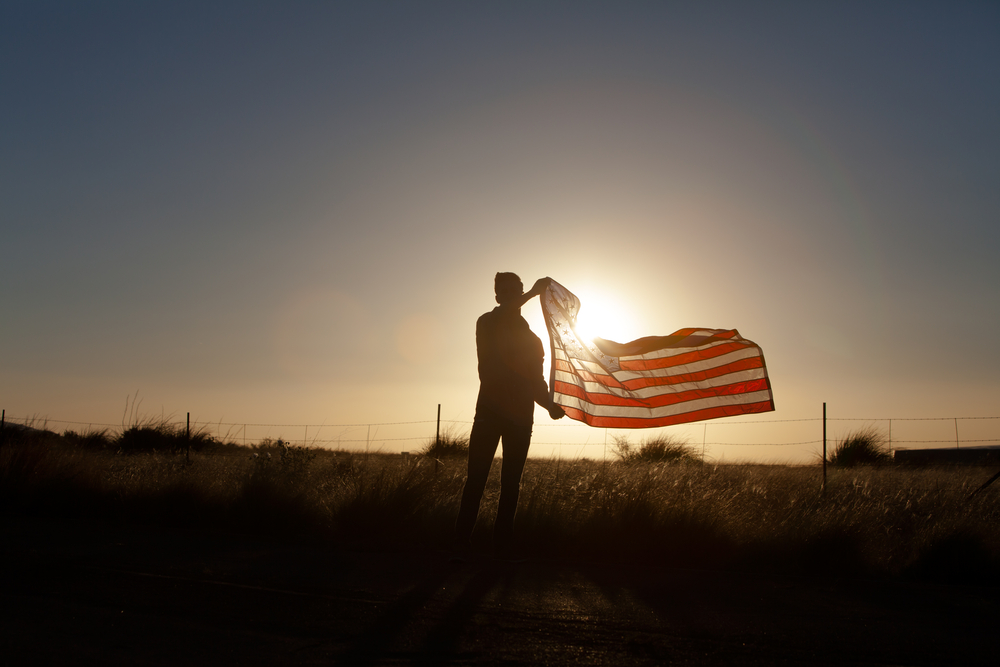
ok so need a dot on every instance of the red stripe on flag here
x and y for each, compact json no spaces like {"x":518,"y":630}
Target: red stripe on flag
{"x":682,"y":358}
{"x":690,"y":331}
{"x":698,"y":376}
{"x":683,"y":418}
{"x":660,"y":400}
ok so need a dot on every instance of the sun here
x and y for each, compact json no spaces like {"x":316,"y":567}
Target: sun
{"x":604,"y":317}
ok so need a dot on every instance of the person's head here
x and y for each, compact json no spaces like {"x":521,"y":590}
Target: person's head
{"x":507,"y":286}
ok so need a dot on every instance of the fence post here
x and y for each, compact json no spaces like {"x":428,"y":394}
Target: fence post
{"x":187,"y":437}
{"x":957,"y":446}
{"x":824,"y":447}
{"x":3,"y":427}
{"x":437,"y":434}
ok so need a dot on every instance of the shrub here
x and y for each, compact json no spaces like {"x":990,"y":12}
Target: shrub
{"x":866,"y":446}
{"x":280,"y":458}
{"x":656,"y":449}
{"x":160,"y":437}
{"x":91,"y":440}
{"x":449,"y":445}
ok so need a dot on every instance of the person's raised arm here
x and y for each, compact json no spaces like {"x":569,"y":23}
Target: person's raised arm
{"x":536,"y":290}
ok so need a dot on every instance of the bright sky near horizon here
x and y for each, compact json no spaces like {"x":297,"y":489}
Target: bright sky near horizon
{"x":291,"y":213}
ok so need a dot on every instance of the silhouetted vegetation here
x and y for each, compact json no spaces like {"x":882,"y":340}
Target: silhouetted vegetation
{"x":657,"y":449}
{"x":867,"y":446}
{"x":160,"y":437}
{"x":448,"y":445}
{"x":872,"y":520}
{"x":93,"y":440}
{"x":147,"y":437}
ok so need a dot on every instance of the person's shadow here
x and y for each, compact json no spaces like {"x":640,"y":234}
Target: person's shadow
{"x":382,"y":637}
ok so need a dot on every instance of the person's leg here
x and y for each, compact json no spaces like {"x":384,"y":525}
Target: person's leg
{"x":516,"y":440}
{"x":482,"y":447}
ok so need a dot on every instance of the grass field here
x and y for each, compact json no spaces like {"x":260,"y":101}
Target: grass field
{"x":872,"y":520}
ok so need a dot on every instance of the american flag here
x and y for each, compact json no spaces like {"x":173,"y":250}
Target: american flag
{"x":691,"y":375}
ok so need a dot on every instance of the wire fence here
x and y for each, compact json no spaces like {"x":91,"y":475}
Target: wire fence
{"x":795,"y":437}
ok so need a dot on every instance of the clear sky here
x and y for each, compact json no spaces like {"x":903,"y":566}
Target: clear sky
{"x":293,"y":212}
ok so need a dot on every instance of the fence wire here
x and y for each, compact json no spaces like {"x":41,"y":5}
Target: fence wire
{"x":374,"y":434}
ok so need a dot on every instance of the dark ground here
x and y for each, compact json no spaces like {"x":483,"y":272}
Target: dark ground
{"x":80,"y":592}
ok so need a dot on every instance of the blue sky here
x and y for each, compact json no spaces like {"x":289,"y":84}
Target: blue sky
{"x":292,"y":212}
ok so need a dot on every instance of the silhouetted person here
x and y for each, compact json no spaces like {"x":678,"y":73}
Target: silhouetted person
{"x":510,"y":383}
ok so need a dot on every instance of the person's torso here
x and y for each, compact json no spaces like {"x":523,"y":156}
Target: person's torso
{"x":510,"y":365}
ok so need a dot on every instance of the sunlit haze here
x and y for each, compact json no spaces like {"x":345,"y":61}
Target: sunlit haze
{"x":292,"y":213}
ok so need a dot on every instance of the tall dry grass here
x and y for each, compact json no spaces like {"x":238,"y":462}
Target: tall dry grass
{"x":871,"y":521}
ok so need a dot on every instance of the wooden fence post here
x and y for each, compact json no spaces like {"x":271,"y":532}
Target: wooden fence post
{"x":824,"y":447}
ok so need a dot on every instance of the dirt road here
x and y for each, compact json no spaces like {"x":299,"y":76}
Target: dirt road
{"x":92,"y":593}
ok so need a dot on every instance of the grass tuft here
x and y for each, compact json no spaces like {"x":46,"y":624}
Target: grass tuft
{"x":449,"y":446}
{"x":99,"y":440}
{"x":160,"y":436}
{"x":867,"y":446}
{"x":657,"y":449}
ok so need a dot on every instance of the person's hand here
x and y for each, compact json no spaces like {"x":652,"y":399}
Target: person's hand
{"x":540,"y":285}
{"x":556,"y":411}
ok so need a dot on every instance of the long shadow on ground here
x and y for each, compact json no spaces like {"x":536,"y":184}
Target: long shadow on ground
{"x":120,"y":595}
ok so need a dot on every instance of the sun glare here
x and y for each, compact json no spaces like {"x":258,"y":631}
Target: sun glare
{"x":603,"y":317}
